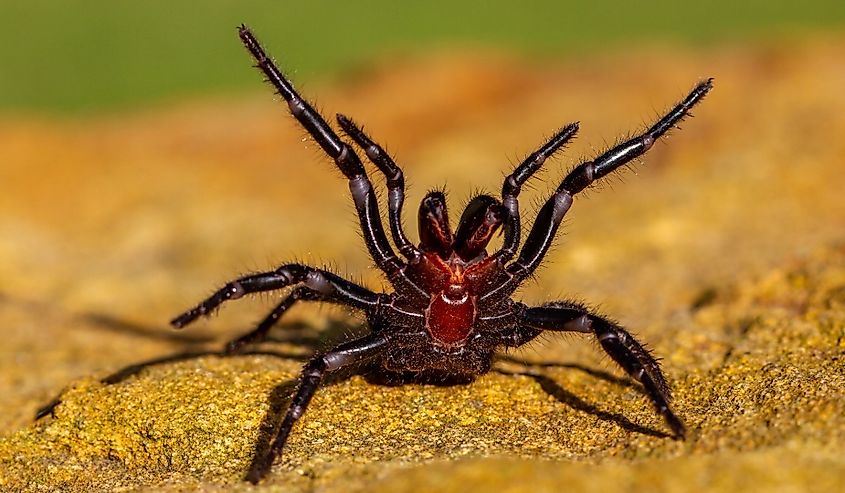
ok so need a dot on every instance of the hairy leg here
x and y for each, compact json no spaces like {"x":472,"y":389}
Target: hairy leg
{"x":259,"y":333}
{"x":395,"y":184}
{"x":323,"y":282}
{"x":513,"y":185}
{"x":346,"y":160}
{"x":620,"y":345}
{"x":356,"y":351}
{"x":582,"y":176}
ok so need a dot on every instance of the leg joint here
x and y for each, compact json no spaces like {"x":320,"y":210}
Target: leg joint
{"x":511,"y":187}
{"x":318,"y":282}
{"x":315,"y":368}
{"x":579,"y":178}
{"x":293,"y":273}
{"x":348,"y":162}
{"x":296,"y":106}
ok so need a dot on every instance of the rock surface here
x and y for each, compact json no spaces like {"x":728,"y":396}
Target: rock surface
{"x":725,"y":252}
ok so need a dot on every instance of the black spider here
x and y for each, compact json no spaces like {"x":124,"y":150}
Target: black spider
{"x":451,"y":308}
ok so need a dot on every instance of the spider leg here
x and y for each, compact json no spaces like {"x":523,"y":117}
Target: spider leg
{"x":513,"y":185}
{"x":626,"y":351}
{"x":355,"y":351}
{"x":395,"y":184}
{"x":259,"y":333}
{"x":325,"y":283}
{"x":582,"y":176}
{"x":344,"y":157}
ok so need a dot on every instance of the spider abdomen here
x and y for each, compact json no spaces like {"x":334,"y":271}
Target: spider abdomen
{"x":450,"y":315}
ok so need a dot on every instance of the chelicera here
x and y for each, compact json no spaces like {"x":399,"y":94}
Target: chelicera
{"x":451,"y":308}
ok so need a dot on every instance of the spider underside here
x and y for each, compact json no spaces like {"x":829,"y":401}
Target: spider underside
{"x":451,"y":307}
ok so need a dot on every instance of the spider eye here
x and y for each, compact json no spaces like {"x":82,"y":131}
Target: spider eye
{"x":479,"y":222}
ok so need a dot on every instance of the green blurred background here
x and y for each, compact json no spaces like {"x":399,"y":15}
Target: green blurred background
{"x":73,"y":56}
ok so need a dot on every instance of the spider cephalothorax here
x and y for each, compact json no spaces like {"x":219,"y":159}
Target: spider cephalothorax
{"x":451,"y":307}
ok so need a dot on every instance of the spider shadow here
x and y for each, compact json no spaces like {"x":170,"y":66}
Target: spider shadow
{"x":554,"y":389}
{"x":114,"y":324}
{"x":294,"y":335}
{"x":134,"y":369}
{"x":297,"y":334}
{"x":599,"y":374}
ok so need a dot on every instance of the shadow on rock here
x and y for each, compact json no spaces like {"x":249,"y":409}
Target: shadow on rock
{"x":564,"y":396}
{"x":292,"y":334}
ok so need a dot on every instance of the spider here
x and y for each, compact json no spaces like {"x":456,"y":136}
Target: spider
{"x":451,"y":307}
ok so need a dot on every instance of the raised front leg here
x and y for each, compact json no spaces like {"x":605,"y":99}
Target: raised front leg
{"x":513,"y":185}
{"x":395,"y":184}
{"x":356,"y":351}
{"x":346,"y":160}
{"x":626,"y":351}
{"x":582,"y":176}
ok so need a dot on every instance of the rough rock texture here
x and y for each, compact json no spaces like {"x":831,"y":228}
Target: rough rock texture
{"x":725,"y":253}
